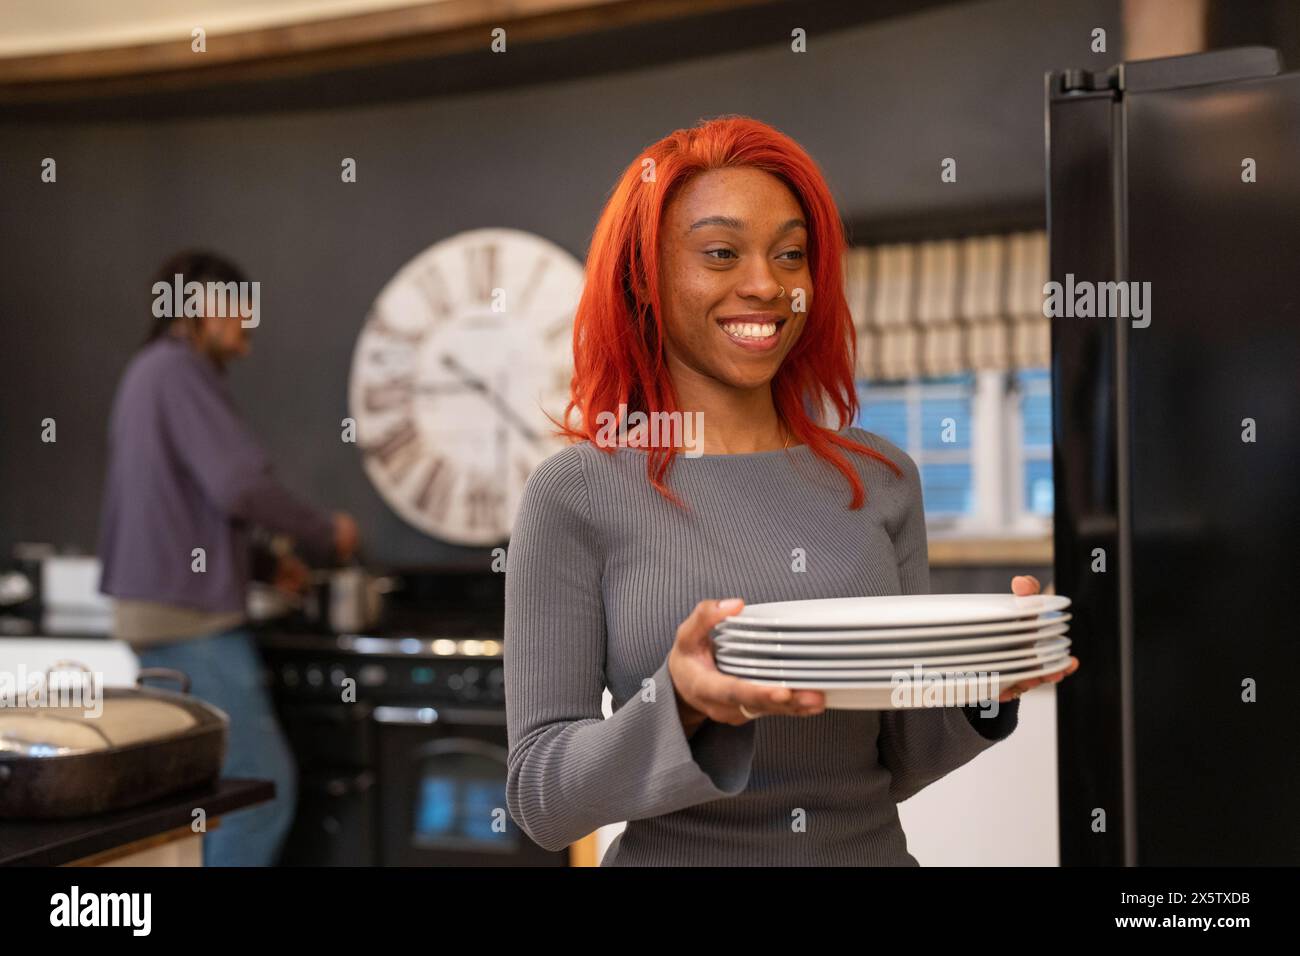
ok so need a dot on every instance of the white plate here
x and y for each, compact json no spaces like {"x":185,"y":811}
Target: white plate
{"x":957,"y":645}
{"x":894,"y":633}
{"x":1042,"y":650}
{"x":898,"y":610}
{"x":875,"y":695}
{"x":838,"y":677}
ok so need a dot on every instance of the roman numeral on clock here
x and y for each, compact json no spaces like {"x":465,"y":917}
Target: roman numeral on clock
{"x":555,"y":332}
{"x":481,"y":271}
{"x":433,"y":287}
{"x":388,"y":395}
{"x":483,"y":507}
{"x":377,"y":323}
{"x":534,"y":281}
{"x":398,"y":450}
{"x":436,"y":488}
{"x":522,"y":470}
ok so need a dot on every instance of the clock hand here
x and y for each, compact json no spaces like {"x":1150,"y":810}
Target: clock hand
{"x":476,"y":383}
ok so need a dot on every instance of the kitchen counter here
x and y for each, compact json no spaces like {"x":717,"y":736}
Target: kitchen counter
{"x":16,"y":626}
{"x":91,"y":840}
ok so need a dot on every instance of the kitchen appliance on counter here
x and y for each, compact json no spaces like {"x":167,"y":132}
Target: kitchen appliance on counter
{"x":400,"y":733}
{"x":20,"y":595}
{"x":50,"y":591}
{"x":1175,"y":442}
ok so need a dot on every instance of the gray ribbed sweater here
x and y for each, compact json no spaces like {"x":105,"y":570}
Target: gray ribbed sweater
{"x":600,"y":572}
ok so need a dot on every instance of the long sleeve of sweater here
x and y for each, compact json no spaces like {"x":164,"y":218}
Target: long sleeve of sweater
{"x":571,"y":770}
{"x":921,"y":745}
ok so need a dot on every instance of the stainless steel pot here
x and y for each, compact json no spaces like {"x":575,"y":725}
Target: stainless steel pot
{"x":348,"y":600}
{"x":58,"y":762}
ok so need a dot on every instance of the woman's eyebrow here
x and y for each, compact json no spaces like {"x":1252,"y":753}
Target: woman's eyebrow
{"x":730,"y":222}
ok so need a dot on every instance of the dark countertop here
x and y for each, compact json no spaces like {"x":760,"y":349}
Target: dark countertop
{"x":55,"y":842}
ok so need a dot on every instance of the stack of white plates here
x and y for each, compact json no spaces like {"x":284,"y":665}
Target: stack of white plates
{"x":887,"y":653}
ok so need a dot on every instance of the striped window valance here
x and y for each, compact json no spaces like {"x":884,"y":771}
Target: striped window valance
{"x":946,"y":306}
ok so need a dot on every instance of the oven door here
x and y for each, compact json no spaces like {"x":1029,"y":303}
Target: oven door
{"x":442,"y":791}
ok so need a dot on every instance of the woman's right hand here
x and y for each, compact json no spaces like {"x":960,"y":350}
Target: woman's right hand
{"x":705,"y":693}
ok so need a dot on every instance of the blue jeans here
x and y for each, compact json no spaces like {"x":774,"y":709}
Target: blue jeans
{"x":226,"y":671}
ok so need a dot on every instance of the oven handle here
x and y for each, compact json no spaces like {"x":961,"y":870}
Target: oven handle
{"x":424,"y":716}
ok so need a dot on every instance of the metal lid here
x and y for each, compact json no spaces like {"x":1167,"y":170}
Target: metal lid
{"x":120,"y":721}
{"x":94,"y":719}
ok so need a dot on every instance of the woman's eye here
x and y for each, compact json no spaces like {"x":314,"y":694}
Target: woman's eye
{"x":794,"y":254}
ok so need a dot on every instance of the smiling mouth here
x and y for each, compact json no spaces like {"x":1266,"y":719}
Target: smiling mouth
{"x":753,"y":335}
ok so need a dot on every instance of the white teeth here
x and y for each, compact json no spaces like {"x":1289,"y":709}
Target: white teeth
{"x":750,"y":330}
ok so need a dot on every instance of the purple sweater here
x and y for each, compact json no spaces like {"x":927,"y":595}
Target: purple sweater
{"x":185,"y":472}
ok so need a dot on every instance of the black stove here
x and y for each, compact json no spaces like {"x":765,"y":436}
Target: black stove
{"x":400,"y":732}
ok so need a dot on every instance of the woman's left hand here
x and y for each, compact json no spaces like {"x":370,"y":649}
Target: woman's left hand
{"x":1023,"y":586}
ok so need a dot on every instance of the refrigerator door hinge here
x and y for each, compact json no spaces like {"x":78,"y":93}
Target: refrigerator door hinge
{"x":1086,"y":81}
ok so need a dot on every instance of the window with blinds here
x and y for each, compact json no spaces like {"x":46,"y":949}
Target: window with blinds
{"x":948,"y":306}
{"x":953,"y":355}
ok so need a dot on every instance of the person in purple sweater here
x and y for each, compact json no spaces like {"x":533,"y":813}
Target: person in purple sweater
{"x":187,"y":484}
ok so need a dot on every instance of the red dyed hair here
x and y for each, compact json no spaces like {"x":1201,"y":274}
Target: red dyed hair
{"x":618,"y":334}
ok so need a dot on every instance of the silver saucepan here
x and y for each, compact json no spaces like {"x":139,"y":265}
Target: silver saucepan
{"x":348,"y":600}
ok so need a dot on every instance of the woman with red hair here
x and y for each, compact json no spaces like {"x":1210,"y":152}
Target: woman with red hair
{"x":714,"y":297}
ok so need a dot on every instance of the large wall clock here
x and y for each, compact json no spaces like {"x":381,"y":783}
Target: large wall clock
{"x":463,"y":353}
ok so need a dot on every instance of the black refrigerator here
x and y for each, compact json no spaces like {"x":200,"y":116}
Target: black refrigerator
{"x":1176,"y":448}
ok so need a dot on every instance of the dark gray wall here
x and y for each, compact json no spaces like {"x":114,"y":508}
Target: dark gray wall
{"x":878,"y":105}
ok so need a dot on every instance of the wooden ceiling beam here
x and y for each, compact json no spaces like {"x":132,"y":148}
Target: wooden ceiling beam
{"x":424,"y":31}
